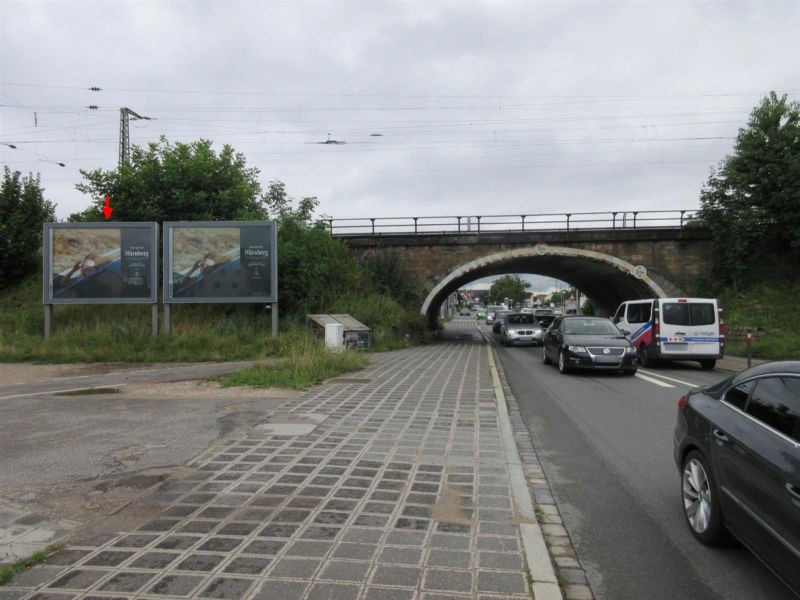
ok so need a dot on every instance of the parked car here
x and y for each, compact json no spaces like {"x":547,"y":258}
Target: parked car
{"x":464,"y":312}
{"x":498,"y":320}
{"x":674,"y":329}
{"x":588,"y":343}
{"x":481,"y":314}
{"x":517,"y":328}
{"x":737,"y":447}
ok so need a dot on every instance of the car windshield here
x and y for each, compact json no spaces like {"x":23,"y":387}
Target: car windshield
{"x":543,"y":312}
{"x":590,"y":327}
{"x":523,"y":319}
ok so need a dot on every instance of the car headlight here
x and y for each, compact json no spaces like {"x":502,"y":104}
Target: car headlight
{"x":577,"y":349}
{"x":630,"y":350}
{"x":537,"y":332}
{"x":512,"y":332}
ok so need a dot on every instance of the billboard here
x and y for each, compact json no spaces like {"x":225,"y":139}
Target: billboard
{"x":97,"y":263}
{"x":220,"y":261}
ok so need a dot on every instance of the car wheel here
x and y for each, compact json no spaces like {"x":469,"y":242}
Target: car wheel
{"x":701,"y":505}
{"x":645,"y":358}
{"x":708,"y":364}
{"x":630,"y":371}
{"x":562,"y":363}
{"x":545,"y":359}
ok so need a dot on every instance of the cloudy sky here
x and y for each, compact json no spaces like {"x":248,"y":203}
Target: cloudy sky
{"x":446,"y":107}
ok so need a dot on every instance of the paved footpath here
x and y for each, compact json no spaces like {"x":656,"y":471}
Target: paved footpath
{"x":391,"y":483}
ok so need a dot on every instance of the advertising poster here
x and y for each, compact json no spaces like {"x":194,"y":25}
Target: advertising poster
{"x":100,"y":263}
{"x":219,"y":262}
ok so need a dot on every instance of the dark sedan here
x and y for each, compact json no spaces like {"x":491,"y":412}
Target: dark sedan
{"x":588,"y":343}
{"x":737,"y":445}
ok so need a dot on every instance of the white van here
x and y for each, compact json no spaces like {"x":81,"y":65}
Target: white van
{"x":674,"y":329}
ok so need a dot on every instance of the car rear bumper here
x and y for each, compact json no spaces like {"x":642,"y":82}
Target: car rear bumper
{"x":687,"y":356}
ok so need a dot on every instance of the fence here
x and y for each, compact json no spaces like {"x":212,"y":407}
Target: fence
{"x":484,"y":224}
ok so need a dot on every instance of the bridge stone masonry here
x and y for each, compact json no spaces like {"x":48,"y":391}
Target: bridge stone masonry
{"x":608,"y":265}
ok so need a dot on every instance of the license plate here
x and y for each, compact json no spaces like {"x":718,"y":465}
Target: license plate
{"x":606,"y":360}
{"x":676,"y":347}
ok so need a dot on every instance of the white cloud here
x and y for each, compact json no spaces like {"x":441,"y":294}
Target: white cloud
{"x":483,"y":107}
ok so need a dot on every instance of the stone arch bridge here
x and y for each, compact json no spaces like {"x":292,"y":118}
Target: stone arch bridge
{"x":607,"y":265}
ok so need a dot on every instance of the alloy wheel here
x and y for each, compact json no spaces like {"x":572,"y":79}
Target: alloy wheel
{"x":696,"y":496}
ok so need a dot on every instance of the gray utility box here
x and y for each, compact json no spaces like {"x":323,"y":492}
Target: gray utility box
{"x":355,"y":334}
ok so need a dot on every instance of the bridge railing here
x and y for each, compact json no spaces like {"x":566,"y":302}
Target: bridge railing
{"x":539,"y":222}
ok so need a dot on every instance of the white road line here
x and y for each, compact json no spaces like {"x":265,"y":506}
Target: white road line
{"x":95,"y":387}
{"x":689,"y":383}
{"x":655,"y":381}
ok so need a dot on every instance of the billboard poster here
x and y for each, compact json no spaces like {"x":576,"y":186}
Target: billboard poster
{"x":220,"y":262}
{"x":100,"y":262}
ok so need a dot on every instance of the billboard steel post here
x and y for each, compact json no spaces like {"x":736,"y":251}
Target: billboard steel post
{"x":167,"y":319}
{"x":154,"y":318}
{"x":274,"y":319}
{"x":48,"y":320}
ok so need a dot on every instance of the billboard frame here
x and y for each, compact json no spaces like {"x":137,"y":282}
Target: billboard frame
{"x":47,"y":264}
{"x":47,"y":271}
{"x":170,"y":226}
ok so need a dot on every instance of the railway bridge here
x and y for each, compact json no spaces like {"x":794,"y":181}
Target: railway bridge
{"x":610,"y":256}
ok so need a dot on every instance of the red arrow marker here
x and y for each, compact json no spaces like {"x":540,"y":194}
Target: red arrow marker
{"x":107,"y":210}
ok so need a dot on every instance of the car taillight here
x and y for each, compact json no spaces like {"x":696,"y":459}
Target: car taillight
{"x":681,"y":403}
{"x":721,"y":329}
{"x":656,"y":329}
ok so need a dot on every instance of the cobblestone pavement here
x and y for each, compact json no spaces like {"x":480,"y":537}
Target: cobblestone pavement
{"x":386,"y":484}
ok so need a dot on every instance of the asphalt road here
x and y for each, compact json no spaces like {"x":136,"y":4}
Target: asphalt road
{"x":78,"y":447}
{"x":605,"y":441}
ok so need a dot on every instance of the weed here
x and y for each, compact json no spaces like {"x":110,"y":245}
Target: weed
{"x":7,"y":572}
{"x":308,"y":363}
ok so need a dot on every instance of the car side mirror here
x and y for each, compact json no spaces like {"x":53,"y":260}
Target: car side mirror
{"x":625,"y":332}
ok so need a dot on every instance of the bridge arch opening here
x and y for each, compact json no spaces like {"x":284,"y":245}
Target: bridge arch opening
{"x":605,"y":279}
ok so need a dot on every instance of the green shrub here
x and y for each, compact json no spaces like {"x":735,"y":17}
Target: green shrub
{"x":772,"y":307}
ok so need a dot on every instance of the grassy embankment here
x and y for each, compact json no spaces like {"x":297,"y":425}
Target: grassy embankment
{"x":121,"y":333}
{"x":772,"y":307}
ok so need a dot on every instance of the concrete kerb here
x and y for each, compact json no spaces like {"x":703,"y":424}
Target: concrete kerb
{"x":544,"y":581}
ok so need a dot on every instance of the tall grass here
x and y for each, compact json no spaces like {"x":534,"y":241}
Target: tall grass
{"x":308,"y":363}
{"x":772,"y":307}
{"x":200,"y":332}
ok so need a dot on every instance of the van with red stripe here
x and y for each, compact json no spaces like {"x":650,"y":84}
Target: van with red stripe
{"x":674,"y":329}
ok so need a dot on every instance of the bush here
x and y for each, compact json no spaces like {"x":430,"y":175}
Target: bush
{"x":23,"y":210}
{"x":772,"y":307}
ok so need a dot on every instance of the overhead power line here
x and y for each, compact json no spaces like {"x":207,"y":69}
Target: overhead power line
{"x":395,"y":95}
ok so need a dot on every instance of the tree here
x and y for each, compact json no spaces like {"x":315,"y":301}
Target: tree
{"x":750,"y":202}
{"x":509,"y":286}
{"x":23,"y":210}
{"x":314,"y":268}
{"x":391,"y":275}
{"x":176,"y":182}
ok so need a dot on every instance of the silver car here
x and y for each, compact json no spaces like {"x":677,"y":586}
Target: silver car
{"x":519,"y":328}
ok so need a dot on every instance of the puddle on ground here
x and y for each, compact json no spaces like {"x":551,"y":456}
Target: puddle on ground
{"x":89,"y":391}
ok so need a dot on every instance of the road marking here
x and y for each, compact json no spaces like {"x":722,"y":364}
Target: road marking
{"x":689,"y":383}
{"x":655,"y":381}
{"x":94,"y":387}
